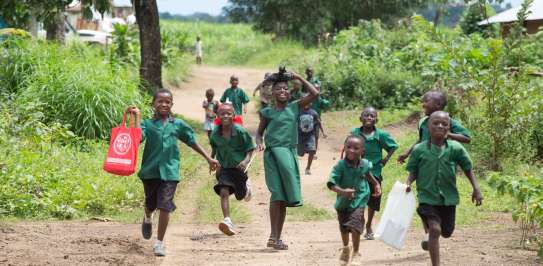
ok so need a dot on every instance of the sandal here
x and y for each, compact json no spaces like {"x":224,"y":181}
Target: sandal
{"x":279,"y":245}
{"x":271,"y":243}
{"x":369,"y":236}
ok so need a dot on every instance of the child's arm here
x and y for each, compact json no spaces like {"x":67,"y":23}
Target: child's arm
{"x":375,"y":184}
{"x":385,"y":160}
{"x":321,"y":128}
{"x":243,"y":164}
{"x":257,"y":88}
{"x":410,"y":179}
{"x":260,"y":133}
{"x":476,"y":196}
{"x":134,"y":110}
{"x":213,"y":164}
{"x":403,"y":157}
{"x":347,"y":193}
{"x":459,"y":137}
{"x":313,"y":92}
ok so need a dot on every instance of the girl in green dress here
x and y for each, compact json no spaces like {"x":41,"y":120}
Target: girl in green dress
{"x":278,"y":130}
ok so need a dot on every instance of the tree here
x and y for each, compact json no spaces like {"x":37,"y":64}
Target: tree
{"x":474,"y":14}
{"x":151,"y":63}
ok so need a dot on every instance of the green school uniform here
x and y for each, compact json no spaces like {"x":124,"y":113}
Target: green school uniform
{"x":280,"y":160}
{"x":296,"y":95}
{"x":319,"y":104}
{"x":237,"y":97}
{"x":435,"y":169}
{"x":455,"y":127}
{"x":231,"y":151}
{"x":344,"y":175}
{"x":161,"y":152}
{"x":373,"y":148}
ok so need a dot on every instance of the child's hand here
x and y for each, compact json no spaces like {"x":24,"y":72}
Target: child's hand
{"x":133,"y":110}
{"x":376,"y":190}
{"x":347,"y":193}
{"x":401,"y":158}
{"x":324,"y":135}
{"x":260,"y":146}
{"x":243,"y":165}
{"x":384,"y":161}
{"x":408,"y":189}
{"x":477,"y":197}
{"x":213,"y":164}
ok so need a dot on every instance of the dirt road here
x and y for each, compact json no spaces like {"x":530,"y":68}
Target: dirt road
{"x":492,"y":242}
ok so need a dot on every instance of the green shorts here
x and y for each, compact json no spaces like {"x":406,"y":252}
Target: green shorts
{"x":283,"y":175}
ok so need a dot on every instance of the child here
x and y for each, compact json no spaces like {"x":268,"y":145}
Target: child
{"x":349,"y":179}
{"x":234,"y":148}
{"x":210,"y":106}
{"x":433,"y":101}
{"x":280,"y":162}
{"x":310,"y":77}
{"x":198,"y":50}
{"x":433,"y":166}
{"x":236,"y":96}
{"x":308,"y":122}
{"x":296,"y":92}
{"x":265,"y":92}
{"x":160,"y":163}
{"x":375,"y":141}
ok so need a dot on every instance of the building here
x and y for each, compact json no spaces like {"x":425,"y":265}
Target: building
{"x":533,"y":23}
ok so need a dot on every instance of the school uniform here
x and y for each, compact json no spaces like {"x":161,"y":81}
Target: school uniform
{"x":160,"y":161}
{"x":435,"y":170}
{"x":237,"y":97}
{"x":346,"y":175}
{"x":455,"y":127}
{"x":280,"y":159}
{"x":373,"y":151}
{"x":230,"y":152}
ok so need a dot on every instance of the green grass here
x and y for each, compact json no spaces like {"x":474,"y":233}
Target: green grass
{"x":239,"y":44}
{"x":308,"y":212}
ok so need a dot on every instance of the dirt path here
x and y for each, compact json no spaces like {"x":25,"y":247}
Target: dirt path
{"x":492,"y":242}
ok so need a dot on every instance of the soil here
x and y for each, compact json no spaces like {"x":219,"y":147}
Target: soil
{"x":492,"y":242}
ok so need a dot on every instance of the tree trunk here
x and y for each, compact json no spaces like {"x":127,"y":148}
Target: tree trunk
{"x":55,"y":29}
{"x":151,"y":64}
{"x":437,"y":16}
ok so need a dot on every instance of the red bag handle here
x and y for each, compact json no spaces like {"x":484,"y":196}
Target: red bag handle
{"x":131,"y":118}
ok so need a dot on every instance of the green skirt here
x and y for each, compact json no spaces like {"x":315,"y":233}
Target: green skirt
{"x":283,"y":175}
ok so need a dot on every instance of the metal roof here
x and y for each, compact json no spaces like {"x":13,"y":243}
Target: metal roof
{"x":536,"y":13}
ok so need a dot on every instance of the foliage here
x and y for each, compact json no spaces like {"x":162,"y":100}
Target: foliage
{"x":90,"y":99}
{"x":309,"y":20}
{"x":476,"y":13}
{"x":125,"y":46}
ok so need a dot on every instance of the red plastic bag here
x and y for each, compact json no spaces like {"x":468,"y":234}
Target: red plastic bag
{"x":122,"y":155}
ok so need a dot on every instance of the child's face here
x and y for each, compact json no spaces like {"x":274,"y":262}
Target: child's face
{"x":306,"y":107}
{"x":296,"y":85}
{"x":354,"y":148}
{"x":226,"y":114}
{"x":439,"y":126}
{"x":234,"y":82}
{"x":309,"y":72}
{"x":368,"y":118}
{"x":280,"y":92}
{"x":163,"y":103}
{"x":210,"y":96}
{"x":429,"y":104}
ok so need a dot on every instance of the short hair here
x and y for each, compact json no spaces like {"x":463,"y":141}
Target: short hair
{"x":352,"y":136}
{"x":367,"y":109}
{"x":210,"y":92}
{"x":160,"y":91}
{"x":438,"y":113}
{"x":277,"y":82}
{"x":224,"y":106}
{"x":234,"y":77}
{"x":439,"y":96}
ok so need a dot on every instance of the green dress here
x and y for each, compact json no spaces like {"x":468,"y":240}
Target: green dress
{"x":280,"y":159}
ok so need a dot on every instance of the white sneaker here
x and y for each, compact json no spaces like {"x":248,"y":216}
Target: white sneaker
{"x":227,"y":227}
{"x":249,"y":193}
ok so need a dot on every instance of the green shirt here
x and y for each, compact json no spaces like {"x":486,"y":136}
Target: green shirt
{"x":161,"y":153}
{"x":345,"y":175}
{"x":237,"y":97}
{"x":295,"y":95}
{"x":435,"y":170}
{"x":373,"y":148}
{"x":231,"y":151}
{"x":319,"y":104}
{"x":455,"y":127}
{"x":282,"y":128}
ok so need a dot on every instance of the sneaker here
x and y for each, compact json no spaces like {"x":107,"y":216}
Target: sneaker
{"x":355,"y":259}
{"x":146,"y":229}
{"x":307,"y":171}
{"x":159,"y":250}
{"x":369,"y":236}
{"x":346,"y":255}
{"x":227,"y":228}
{"x":249,"y":193}
{"x":424,"y":245}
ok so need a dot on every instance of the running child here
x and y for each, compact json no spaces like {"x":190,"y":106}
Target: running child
{"x":160,"y":163}
{"x":234,"y":148}
{"x":308,"y":122}
{"x":236,"y":96}
{"x":433,"y":101}
{"x":210,"y":106}
{"x":432,"y":165}
{"x":265,"y":92}
{"x":375,"y":141}
{"x":349,"y":179}
{"x":278,"y":128}
{"x":296,"y":93}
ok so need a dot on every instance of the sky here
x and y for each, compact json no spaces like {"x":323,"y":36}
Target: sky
{"x":214,"y":7}
{"x":187,"y":7}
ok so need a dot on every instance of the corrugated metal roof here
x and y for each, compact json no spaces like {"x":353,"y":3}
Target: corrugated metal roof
{"x":510,"y":15}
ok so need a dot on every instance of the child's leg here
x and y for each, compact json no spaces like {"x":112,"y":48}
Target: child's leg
{"x":345,"y":238}
{"x":356,"y":240}
{"x":225,"y":204}
{"x":434,"y":230}
{"x":274,"y":218}
{"x":163,"y":220}
{"x":310,"y":157}
{"x":371,"y":213}
{"x":282,"y":216}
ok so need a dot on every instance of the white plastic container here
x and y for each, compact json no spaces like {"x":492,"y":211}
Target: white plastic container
{"x":397,"y":216}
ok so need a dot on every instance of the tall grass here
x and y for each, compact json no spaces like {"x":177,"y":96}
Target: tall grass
{"x":239,"y":44}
